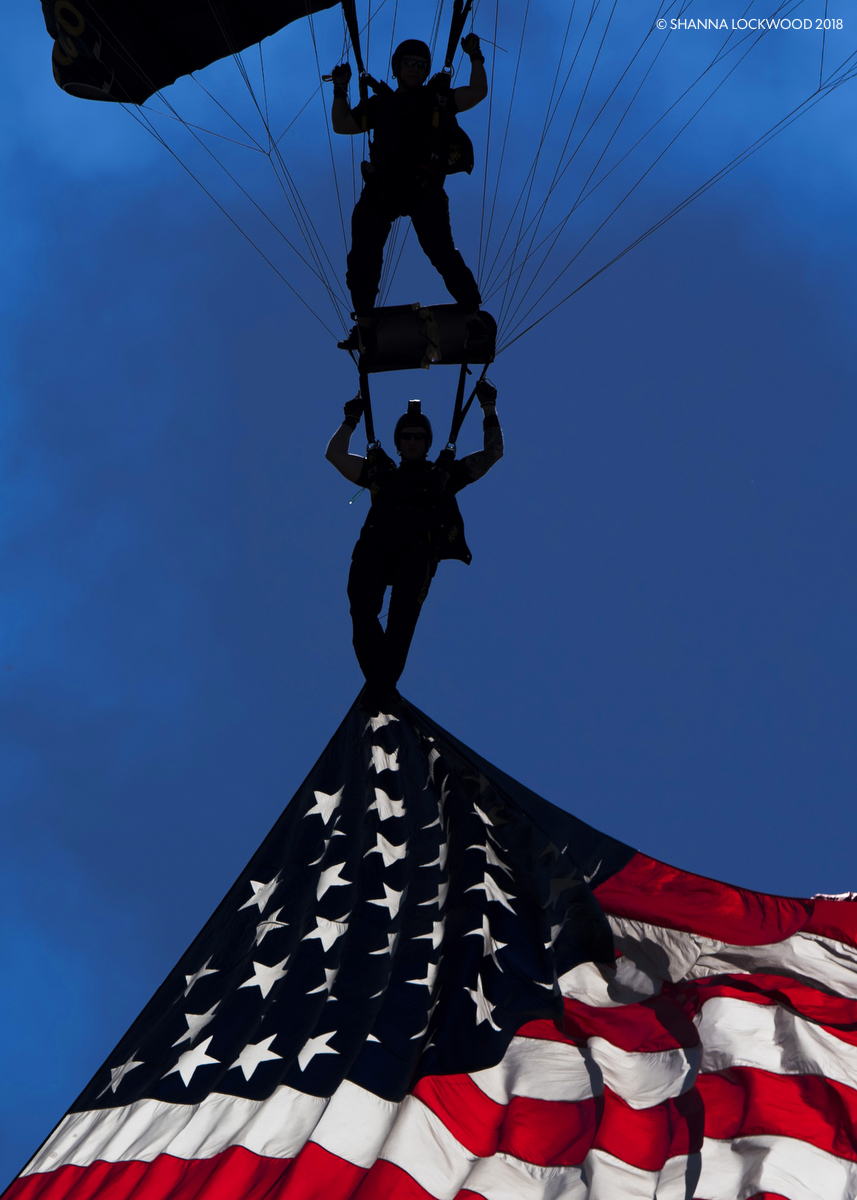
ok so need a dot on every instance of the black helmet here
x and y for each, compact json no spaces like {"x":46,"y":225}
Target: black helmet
{"x":410,"y":46}
{"x":413,"y":417}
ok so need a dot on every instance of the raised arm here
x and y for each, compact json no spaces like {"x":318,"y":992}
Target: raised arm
{"x":341,"y":117}
{"x":349,"y":465}
{"x":478,"y":464}
{"x":471,"y":93}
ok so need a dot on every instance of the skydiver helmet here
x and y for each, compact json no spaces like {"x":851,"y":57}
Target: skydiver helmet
{"x":410,"y":46}
{"x":414,"y":416}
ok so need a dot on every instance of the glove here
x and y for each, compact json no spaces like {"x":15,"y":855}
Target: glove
{"x":486,"y":393}
{"x":471,"y":47}
{"x":341,"y":77}
{"x":353,"y":410}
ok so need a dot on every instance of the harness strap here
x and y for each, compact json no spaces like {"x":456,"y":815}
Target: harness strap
{"x":460,"y":410}
{"x":367,"y":408}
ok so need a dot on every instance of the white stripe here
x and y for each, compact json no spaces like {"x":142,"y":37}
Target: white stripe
{"x":541,"y":1070}
{"x":502,"y":1177}
{"x":746,"y":1165}
{"x":277,"y":1128}
{"x":736,"y":1033}
{"x":678,"y":1177}
{"x":645,"y":1078}
{"x":356,"y":1124}
{"x":422,"y":1145}
{"x":601,"y":986}
{"x":664,"y":953}
{"x":611,"y":1179}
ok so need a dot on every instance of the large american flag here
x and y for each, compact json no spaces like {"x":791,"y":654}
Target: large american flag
{"x":412,"y":993}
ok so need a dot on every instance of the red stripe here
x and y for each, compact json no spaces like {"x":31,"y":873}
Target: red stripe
{"x":647,"y":1137}
{"x":836,"y":919}
{"x":836,"y":1014}
{"x":647,"y":890}
{"x":742,"y":1102}
{"x":316,"y":1174}
{"x":471,"y":1117}
{"x":545,"y":1132}
{"x":649,"y":1026}
{"x":235,"y":1172}
{"x":386,"y":1181}
{"x":550,"y":1133}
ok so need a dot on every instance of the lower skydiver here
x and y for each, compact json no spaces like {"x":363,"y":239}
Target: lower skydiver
{"x":413,"y":522}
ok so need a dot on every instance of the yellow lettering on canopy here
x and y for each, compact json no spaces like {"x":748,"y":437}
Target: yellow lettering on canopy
{"x":62,"y":59}
{"x":62,"y":7}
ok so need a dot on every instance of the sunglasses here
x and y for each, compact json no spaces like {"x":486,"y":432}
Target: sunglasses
{"x":412,"y":437}
{"x":419,"y":63}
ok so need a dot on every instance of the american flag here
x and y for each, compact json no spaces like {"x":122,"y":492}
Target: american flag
{"x":431,"y":984}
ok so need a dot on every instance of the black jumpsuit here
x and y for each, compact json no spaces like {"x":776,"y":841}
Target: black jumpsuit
{"x":413,"y":523}
{"x":405,"y":180}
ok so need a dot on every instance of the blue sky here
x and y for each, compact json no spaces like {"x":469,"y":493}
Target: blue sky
{"x":656,"y":631}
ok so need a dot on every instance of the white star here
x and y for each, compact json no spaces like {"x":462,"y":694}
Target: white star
{"x":253,"y":1054}
{"x":262,"y":893}
{"x":324,"y":804}
{"x":431,"y":974}
{"x":484,"y":1007}
{"x":443,"y":854}
{"x":483,"y":817}
{"x":558,"y":886}
{"x":195,"y":1023}
{"x":264,"y":977}
{"x":387,"y":850}
{"x":432,"y":824}
{"x":335,"y":833}
{"x":330,"y":974}
{"x":390,"y":948}
{"x":190,"y":980}
{"x":190,"y":1060}
{"x":433,"y":756}
{"x":392,"y":900}
{"x":492,"y":858}
{"x":489,"y":944}
{"x":385,"y":806}
{"x":382,"y":761}
{"x":425,"y":1027}
{"x":493,"y":891}
{"x":329,"y":878}
{"x":440,"y":898}
{"x":313,"y":1046}
{"x":327,"y":931}
{"x":589,"y":878}
{"x":266,"y":927}
{"x":117,"y":1074}
{"x":436,"y":934}
{"x":382,"y":719}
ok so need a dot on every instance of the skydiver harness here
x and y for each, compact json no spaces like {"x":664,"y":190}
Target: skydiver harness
{"x":411,"y":335}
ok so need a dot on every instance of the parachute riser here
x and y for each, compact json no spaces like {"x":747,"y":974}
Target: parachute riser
{"x":369,"y":424}
{"x":349,"y":11}
{"x":460,"y":410}
{"x":460,"y":13}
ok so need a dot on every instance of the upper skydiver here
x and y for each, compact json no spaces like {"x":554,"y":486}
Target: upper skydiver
{"x":414,"y":522}
{"x":415,"y":138}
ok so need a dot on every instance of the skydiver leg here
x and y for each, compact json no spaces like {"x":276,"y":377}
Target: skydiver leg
{"x":371,"y":223}
{"x":412,"y":578}
{"x":367,"y":582}
{"x":430,"y":219}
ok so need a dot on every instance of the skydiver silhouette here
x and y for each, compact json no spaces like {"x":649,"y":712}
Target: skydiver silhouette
{"x":413,"y":128}
{"x":414,"y":522}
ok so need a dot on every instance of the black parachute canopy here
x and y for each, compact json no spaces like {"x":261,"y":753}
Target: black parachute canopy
{"x":125,"y":51}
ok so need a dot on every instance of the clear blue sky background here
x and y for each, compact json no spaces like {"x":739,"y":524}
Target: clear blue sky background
{"x":657,"y":631}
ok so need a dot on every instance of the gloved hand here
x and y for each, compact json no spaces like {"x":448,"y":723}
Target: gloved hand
{"x":486,"y":393}
{"x":353,"y":410}
{"x":471,"y":47}
{"x":341,"y":77}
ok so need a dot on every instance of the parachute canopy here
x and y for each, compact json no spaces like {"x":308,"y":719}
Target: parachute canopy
{"x":126,"y":51}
